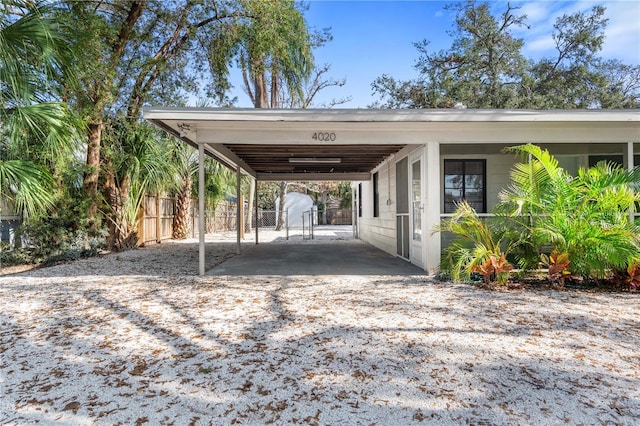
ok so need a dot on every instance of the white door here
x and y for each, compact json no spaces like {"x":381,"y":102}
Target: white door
{"x":416,"y":195}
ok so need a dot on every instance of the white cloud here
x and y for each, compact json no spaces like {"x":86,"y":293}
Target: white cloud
{"x":623,"y":32}
{"x":622,"y":35}
{"x":535,"y":11}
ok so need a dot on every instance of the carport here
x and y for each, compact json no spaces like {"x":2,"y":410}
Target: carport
{"x":286,"y":145}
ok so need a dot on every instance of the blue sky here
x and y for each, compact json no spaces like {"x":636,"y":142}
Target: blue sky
{"x":371,"y":38}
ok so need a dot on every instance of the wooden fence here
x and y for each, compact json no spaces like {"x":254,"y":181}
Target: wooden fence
{"x":155,"y":219}
{"x":338,"y":217}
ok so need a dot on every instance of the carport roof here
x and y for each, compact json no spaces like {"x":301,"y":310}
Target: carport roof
{"x":347,"y":144}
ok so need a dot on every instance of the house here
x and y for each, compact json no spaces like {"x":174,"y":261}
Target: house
{"x":408,"y":166}
{"x":9,"y":223}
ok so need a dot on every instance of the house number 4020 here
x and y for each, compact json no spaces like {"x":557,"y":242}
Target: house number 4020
{"x":324,"y":136}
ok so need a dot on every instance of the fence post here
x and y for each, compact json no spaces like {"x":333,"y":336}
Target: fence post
{"x":286,"y":222}
{"x":142,"y":234}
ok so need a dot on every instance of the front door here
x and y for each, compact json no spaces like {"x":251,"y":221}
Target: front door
{"x":417,"y":208}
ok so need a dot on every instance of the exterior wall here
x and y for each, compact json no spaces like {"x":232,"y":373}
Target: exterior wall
{"x":381,"y":231}
{"x":571,"y":157}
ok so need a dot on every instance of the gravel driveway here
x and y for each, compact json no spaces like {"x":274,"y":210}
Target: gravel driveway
{"x":136,"y":338}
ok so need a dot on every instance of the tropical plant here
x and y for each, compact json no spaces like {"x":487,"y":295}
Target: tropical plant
{"x":61,"y":234}
{"x":494,"y":269}
{"x":557,"y":265}
{"x":477,"y":242}
{"x":629,"y":277}
{"x":185,"y":160}
{"x":136,"y":164}
{"x":586,"y":216}
{"x":34,"y":129}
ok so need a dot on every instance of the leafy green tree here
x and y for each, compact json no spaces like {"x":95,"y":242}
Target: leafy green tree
{"x":275,"y":54}
{"x":484,"y":67}
{"x":621,"y":88}
{"x":276,"y":50}
{"x":139,"y":51}
{"x":571,"y":79}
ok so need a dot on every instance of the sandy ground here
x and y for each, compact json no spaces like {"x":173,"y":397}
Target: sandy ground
{"x":137,"y":338}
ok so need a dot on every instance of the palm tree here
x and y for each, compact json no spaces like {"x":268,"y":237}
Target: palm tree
{"x":34,"y":128}
{"x":219,"y":183}
{"x":185,"y":161}
{"x":275,"y":56}
{"x":135,"y":165}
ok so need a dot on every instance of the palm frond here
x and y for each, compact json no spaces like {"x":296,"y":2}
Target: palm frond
{"x":26,"y":186}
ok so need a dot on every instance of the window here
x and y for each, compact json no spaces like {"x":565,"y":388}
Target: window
{"x":402,"y":186}
{"x":359,"y":200}
{"x":465,"y":180}
{"x":615,"y":159}
{"x":376,"y":196}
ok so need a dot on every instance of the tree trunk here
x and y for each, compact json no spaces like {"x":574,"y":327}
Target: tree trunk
{"x":92,"y":172}
{"x":183,"y":207}
{"x":281,"y":205}
{"x":261,"y":94}
{"x":324,"y":207}
{"x":123,"y":232}
{"x":111,"y":194}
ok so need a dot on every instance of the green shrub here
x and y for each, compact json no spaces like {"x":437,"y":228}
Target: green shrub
{"x":586,"y":216}
{"x":63,"y":234}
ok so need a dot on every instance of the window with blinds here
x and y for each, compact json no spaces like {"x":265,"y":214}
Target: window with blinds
{"x":465,"y":180}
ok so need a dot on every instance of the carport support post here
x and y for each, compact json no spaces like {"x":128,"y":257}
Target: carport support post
{"x":255,"y":197}
{"x":432,"y":207}
{"x":201,"y":207}
{"x":238,"y":207}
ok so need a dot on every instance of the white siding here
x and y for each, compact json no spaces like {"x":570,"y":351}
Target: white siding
{"x":381,"y":231}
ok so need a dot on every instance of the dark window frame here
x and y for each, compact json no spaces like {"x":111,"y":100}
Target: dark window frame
{"x":613,"y":158}
{"x":376,"y":195}
{"x":464,"y":162}
{"x":359,"y":200}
